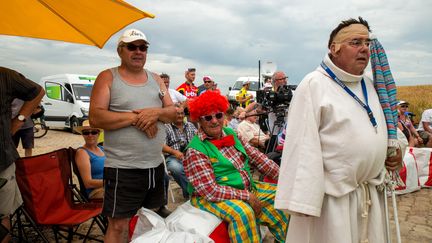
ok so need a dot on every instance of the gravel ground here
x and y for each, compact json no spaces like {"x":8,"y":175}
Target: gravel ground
{"x":414,"y":209}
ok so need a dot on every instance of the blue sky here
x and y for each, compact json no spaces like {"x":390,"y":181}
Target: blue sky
{"x":225,"y":39}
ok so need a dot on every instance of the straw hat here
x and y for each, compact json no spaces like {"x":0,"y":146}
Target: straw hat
{"x":403,"y":102}
{"x":86,"y":126}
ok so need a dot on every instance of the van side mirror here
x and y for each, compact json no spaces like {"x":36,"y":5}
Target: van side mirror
{"x":229,"y":88}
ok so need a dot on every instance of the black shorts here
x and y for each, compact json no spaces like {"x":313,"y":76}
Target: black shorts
{"x":27,"y":138}
{"x":127,"y":190}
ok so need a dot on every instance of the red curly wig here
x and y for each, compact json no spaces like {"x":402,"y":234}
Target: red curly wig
{"x":206,"y":103}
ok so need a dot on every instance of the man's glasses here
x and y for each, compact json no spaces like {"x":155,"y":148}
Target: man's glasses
{"x":90,"y":132}
{"x":207,"y":82}
{"x":280,"y":79}
{"x":132,"y":47}
{"x":218,"y":116}
{"x":404,"y":106}
{"x":359,"y":42}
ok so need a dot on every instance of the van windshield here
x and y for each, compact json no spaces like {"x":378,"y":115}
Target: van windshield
{"x":82,"y":91}
{"x":239,"y":84}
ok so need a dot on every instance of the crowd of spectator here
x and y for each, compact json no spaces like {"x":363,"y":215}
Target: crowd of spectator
{"x":205,"y":145}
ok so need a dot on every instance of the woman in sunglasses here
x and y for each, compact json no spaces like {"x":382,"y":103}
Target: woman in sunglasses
{"x":406,"y":126}
{"x":90,"y":159}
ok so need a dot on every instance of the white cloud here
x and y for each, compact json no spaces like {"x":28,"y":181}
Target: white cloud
{"x":225,"y":39}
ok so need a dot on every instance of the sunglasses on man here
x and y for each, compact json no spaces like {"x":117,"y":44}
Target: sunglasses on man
{"x":208,"y":118}
{"x":133,"y":47}
{"x":280,"y":79}
{"x":90,"y":132}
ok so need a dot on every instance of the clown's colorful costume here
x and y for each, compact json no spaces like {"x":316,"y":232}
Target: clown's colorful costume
{"x":221,"y":182}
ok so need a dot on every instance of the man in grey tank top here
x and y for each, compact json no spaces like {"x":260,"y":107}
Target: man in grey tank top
{"x":131,"y":104}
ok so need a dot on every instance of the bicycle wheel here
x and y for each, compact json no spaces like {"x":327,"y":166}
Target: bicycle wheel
{"x":39,"y":130}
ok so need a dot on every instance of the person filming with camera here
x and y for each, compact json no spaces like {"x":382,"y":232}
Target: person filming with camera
{"x":279,"y":79}
{"x":274,"y":102}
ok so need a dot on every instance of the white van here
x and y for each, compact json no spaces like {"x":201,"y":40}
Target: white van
{"x":67,"y":99}
{"x":233,"y":91}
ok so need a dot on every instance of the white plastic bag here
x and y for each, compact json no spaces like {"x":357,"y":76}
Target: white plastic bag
{"x":151,"y":228}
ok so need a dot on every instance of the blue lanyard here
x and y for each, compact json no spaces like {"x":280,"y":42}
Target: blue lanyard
{"x":365,"y":106}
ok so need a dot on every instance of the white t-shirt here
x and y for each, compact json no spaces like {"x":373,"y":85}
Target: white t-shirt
{"x":176,"y":96}
{"x":248,"y":130}
{"x":426,"y":117}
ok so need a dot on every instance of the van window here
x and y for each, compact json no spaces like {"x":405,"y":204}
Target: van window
{"x":82,"y":91}
{"x":68,"y":87}
{"x":239,"y":84}
{"x":58,"y":92}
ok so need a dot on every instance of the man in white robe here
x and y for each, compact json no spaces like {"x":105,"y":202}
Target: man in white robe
{"x":333,"y":157}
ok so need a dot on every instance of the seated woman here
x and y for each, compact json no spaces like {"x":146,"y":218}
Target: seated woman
{"x":90,"y":159}
{"x":250,"y":131}
{"x":405,"y":124}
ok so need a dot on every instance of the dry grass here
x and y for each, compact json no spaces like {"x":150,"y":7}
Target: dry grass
{"x":419,"y":97}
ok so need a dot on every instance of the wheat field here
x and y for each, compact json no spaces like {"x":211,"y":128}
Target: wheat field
{"x":419,"y":97}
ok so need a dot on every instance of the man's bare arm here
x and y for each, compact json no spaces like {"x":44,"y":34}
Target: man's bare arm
{"x":29,"y":106}
{"x":426,"y":127}
{"x":100,"y":116}
{"x":26,"y":110}
{"x":147,"y":117}
{"x":168,"y":112}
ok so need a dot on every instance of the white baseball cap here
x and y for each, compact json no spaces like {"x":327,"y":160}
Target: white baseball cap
{"x":131,"y":35}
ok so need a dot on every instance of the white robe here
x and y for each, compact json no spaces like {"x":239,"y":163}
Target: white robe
{"x":331,"y":149}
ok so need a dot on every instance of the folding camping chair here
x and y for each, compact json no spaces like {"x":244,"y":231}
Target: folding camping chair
{"x":80,"y":193}
{"x":46,"y":186}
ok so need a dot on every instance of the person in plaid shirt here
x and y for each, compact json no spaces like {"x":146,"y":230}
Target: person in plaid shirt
{"x":217,"y":165}
{"x":178,"y":135}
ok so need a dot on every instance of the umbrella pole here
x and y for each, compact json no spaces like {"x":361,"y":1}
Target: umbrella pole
{"x":395,"y":215}
{"x":387,"y":219}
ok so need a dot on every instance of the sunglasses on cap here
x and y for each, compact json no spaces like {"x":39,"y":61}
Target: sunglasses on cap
{"x":218,"y":116}
{"x":191,"y":69}
{"x":94,"y":132}
{"x":132,"y":47}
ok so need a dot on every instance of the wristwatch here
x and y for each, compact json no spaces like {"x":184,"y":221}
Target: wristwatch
{"x":162,"y":93}
{"x":21,"y":118}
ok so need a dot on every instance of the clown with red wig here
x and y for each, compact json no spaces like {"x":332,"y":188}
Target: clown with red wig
{"x":217,"y":164}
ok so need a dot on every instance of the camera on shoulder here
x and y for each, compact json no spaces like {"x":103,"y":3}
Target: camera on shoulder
{"x":276,"y":100}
